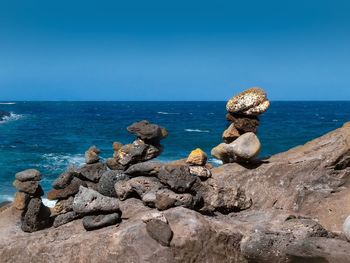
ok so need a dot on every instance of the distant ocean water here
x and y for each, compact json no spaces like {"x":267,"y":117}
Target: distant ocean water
{"x":50,"y":135}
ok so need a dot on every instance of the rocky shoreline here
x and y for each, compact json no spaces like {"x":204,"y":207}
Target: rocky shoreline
{"x":290,"y":207}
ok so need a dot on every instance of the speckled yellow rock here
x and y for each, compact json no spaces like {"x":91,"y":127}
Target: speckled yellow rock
{"x":252,"y":101}
{"x":197,"y":157}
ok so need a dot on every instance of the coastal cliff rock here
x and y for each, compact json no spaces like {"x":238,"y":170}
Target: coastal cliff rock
{"x":288,"y":208}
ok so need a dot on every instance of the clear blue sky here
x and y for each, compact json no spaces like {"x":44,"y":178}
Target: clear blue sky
{"x":174,"y":50}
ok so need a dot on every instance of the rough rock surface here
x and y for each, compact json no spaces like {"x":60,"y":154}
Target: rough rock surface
{"x":91,"y":155}
{"x":148,"y":132}
{"x":64,"y":179}
{"x":159,"y":231}
{"x":148,"y":168}
{"x":93,"y":172}
{"x":36,"y":216}
{"x":69,"y":190}
{"x":246,"y":146}
{"x":230,"y":134}
{"x":65,"y":218}
{"x":28,"y":175}
{"x":197,"y":157}
{"x":21,"y":200}
{"x":108,"y":179}
{"x":92,"y":222}
{"x":29,"y":187}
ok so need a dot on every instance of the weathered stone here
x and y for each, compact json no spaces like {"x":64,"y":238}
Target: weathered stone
{"x":30,"y":187}
{"x":253,"y":98}
{"x":65,"y":218}
{"x":63,"y":206}
{"x":202,"y":172}
{"x":154,"y":215}
{"x":88,"y":201}
{"x":93,"y":172}
{"x":159,"y":231}
{"x":223,"y":152}
{"x":149,"y":168}
{"x":346,"y":228}
{"x":113,"y":164}
{"x":28,"y":175}
{"x":197,"y":157}
{"x":70,"y":190}
{"x":138,"y":185}
{"x":21,"y":201}
{"x":148,"y":132}
{"x":106,"y":184}
{"x":91,"y":155}
{"x":246,"y":146}
{"x":230,"y":134}
{"x":92,"y":222}
{"x":117,"y":146}
{"x":244,"y":124}
{"x":166,"y":198}
{"x":37,"y":216}
{"x":65,"y":178}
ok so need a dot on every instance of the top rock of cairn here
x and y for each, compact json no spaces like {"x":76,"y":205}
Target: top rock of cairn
{"x":148,"y":132}
{"x":252,"y":101}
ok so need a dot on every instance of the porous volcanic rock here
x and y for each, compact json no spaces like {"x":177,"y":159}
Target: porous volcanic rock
{"x":36,"y":217}
{"x":69,"y":190}
{"x":197,"y":157}
{"x":108,"y":179}
{"x":65,"y":218}
{"x":28,"y":175}
{"x":91,"y":155}
{"x":93,"y":172}
{"x":92,"y":222}
{"x":148,"y":132}
{"x":149,"y":168}
{"x":29,"y":187}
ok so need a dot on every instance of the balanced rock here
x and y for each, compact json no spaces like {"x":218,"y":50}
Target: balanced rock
{"x":148,"y":168}
{"x":246,"y":124}
{"x":246,"y":146}
{"x":197,"y":157}
{"x":28,"y":175}
{"x":91,"y":155}
{"x":36,"y":217}
{"x":65,"y":218}
{"x":249,"y":102}
{"x":106,"y":184}
{"x":159,"y":231}
{"x":65,"y":178}
{"x":148,"y":132}
{"x":346,"y":228}
{"x":93,"y":172}
{"x":88,"y":201}
{"x":230,"y":134}
{"x":92,"y":222}
{"x":113,"y":164}
{"x":21,"y":201}
{"x":29,"y":187}
{"x":69,"y":190}
{"x":223,"y":152}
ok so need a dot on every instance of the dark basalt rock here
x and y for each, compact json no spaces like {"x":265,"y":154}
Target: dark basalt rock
{"x":28,"y":175}
{"x":113,"y":164}
{"x":30,"y":187}
{"x":93,"y":172}
{"x":93,"y":222}
{"x":71,"y":189}
{"x":150,"y":133}
{"x":4,"y":114}
{"x":149,"y":168}
{"x":36,"y":217}
{"x":244,"y":123}
{"x":165,"y":198}
{"x":159,"y":231}
{"x":64,"y":179}
{"x":177,"y":177}
{"x":65,"y":218}
{"x":106,"y":184}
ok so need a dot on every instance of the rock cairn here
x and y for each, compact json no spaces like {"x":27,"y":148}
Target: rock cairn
{"x":35,"y":215}
{"x":240,"y":141}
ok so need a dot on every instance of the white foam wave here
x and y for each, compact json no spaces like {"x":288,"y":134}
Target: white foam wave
{"x":49,"y":203}
{"x":12,"y":117}
{"x":215,"y":161}
{"x":7,"y":103}
{"x":196,"y":130}
{"x":54,"y":161}
{"x":168,"y":113}
{"x":4,"y":198}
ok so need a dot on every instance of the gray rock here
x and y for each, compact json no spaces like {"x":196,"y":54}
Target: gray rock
{"x":177,"y":177}
{"x":93,"y":172}
{"x":247,"y":146}
{"x":36,"y":217}
{"x":71,"y":189}
{"x":149,"y":168}
{"x":30,"y":187}
{"x":28,"y":175}
{"x":346,"y":228}
{"x":147,"y":131}
{"x":166,"y":198}
{"x":159,"y":231}
{"x":202,"y":172}
{"x":88,"y":201}
{"x":113,"y":164}
{"x":65,"y":218}
{"x":93,"y":222}
{"x":106,"y":184}
{"x":223,"y":152}
{"x":63,"y":206}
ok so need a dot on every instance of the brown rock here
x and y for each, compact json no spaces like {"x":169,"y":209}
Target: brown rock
{"x":29,"y":187}
{"x":28,"y":175}
{"x":230,"y":134}
{"x":159,"y":231}
{"x":197,"y":157}
{"x":21,"y":201}
{"x":117,"y":146}
{"x":63,"y":206}
{"x":93,"y":172}
{"x":243,"y":124}
{"x":70,"y":190}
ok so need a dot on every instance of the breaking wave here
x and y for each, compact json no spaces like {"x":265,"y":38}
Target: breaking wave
{"x":12,"y":117}
{"x":196,"y":130}
{"x":168,"y":113}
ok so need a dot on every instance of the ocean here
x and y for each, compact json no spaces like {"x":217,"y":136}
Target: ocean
{"x":50,"y":135}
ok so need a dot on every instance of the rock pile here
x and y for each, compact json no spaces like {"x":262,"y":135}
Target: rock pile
{"x":35,"y":215}
{"x":240,"y":141}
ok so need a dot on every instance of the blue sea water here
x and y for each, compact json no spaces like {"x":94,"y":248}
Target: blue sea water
{"x":50,"y":135}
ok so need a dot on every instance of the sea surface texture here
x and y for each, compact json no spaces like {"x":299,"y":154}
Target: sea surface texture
{"x":48,"y":136}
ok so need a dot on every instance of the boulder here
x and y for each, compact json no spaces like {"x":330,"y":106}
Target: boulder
{"x":202,"y":172}
{"x":91,"y":155}
{"x":346,"y":228}
{"x":28,"y":175}
{"x":177,"y":177}
{"x":65,"y":218}
{"x":30,"y":187}
{"x":223,"y":152}
{"x":21,"y":201}
{"x":230,"y":134}
{"x":106,"y":184}
{"x":88,"y":201}
{"x":247,"y":146}
{"x":63,"y":206}
{"x":148,"y":132}
{"x":149,"y":168}
{"x":93,"y":172}
{"x":113,"y":164}
{"x":197,"y":157}
{"x":252,"y":101}
{"x":159,"y":231}
{"x":64,"y":193}
{"x":36,"y":217}
{"x":92,"y":222}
